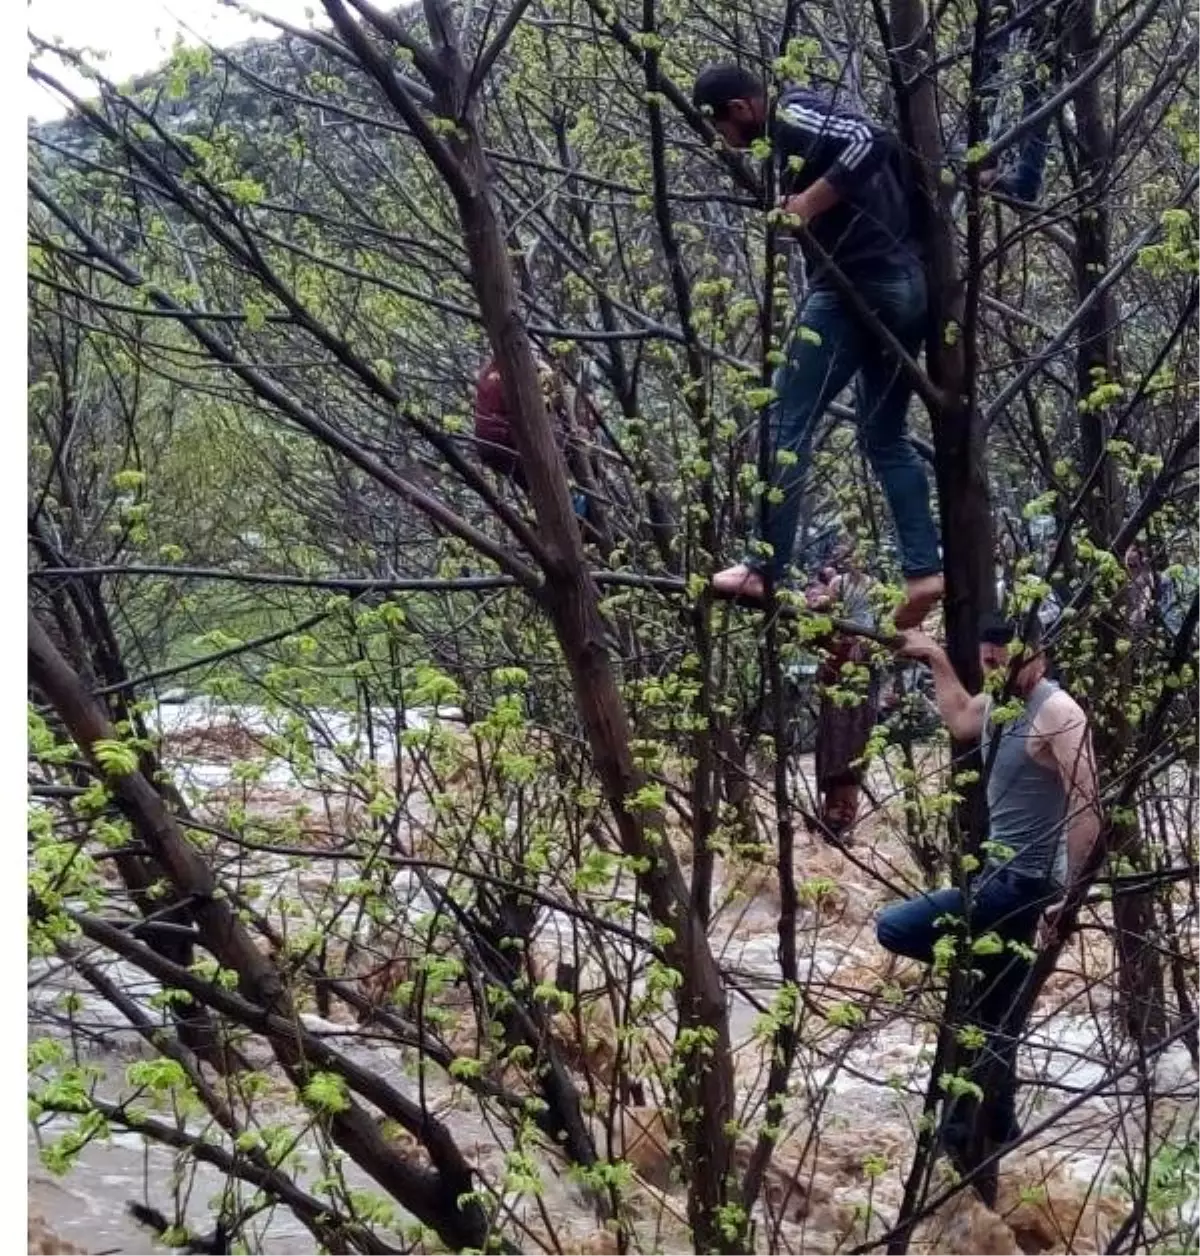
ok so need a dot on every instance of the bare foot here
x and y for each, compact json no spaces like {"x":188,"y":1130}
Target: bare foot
{"x":739,"y":582}
{"x":922,"y":594}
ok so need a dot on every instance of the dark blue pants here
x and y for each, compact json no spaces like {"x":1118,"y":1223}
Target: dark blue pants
{"x":1006,"y":903}
{"x":829,"y":349}
{"x":1029,"y":52}
{"x":1022,"y":180}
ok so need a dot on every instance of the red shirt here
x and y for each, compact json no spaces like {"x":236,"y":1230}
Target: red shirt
{"x":492,"y":423}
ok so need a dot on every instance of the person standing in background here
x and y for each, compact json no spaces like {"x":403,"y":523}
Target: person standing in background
{"x":847,"y":713}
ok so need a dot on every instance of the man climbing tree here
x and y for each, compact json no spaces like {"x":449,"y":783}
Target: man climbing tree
{"x":1044,"y":819}
{"x":843,"y":177}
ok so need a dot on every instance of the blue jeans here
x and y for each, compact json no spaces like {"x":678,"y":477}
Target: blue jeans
{"x":1001,"y":901}
{"x":1025,"y":181}
{"x":830,"y":348}
{"x":1021,"y":177}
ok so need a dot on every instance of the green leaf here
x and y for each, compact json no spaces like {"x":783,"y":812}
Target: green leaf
{"x":464,"y":1067}
{"x":244,"y":191}
{"x":129,"y":480}
{"x":959,"y":1086}
{"x":115,"y":758}
{"x":846,"y":1015}
{"x":161,"y":1074}
{"x":326,"y":1092}
{"x":971,"y":1037}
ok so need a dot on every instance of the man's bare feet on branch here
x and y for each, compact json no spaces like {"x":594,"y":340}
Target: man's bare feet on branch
{"x":922,"y":594}
{"x":739,"y":582}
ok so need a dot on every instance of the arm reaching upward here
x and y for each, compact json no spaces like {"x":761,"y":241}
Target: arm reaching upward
{"x":963,"y":713}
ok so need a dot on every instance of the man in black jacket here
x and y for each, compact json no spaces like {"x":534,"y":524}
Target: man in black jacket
{"x":844,"y":177}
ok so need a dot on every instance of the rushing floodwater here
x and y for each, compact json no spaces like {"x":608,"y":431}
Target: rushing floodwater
{"x":860,"y":1113}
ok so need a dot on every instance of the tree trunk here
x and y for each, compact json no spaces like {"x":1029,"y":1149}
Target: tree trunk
{"x":966,"y":519}
{"x":1141,"y":999}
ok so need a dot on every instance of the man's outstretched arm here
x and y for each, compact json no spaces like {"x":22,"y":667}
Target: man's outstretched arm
{"x":962,"y":712}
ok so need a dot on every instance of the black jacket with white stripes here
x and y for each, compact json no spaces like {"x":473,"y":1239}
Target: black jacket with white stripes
{"x":872,"y":225}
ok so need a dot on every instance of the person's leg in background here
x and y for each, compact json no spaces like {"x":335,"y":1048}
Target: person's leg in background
{"x":822,"y":358}
{"x":1026,"y":184}
{"x":843,"y":731}
{"x":884,"y":394}
{"x":989,"y":92}
{"x":1022,"y":179}
{"x":1020,"y":175}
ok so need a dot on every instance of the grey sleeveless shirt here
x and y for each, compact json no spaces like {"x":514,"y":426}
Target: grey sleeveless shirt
{"x":1027,"y":802}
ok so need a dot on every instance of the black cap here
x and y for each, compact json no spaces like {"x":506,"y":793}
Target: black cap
{"x":997,"y":629}
{"x":717,"y":85}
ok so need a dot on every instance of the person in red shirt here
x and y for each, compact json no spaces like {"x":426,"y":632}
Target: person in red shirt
{"x":493,"y":420}
{"x":493,"y":424}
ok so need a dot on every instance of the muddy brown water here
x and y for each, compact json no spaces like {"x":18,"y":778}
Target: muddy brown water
{"x":865,"y":1103}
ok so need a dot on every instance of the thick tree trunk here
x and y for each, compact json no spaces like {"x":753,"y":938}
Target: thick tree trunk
{"x":966,"y":520}
{"x":1141,"y":1005}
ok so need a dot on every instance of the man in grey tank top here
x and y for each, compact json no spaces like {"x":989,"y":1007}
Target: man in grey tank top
{"x":1044,"y":818}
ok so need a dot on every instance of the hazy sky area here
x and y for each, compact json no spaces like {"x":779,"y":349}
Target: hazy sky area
{"x":138,"y":34}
